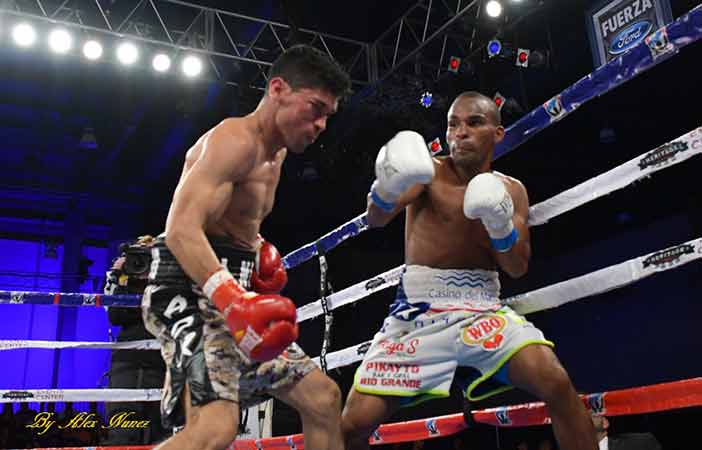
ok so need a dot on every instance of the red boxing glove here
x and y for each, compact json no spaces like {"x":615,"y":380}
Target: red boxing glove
{"x":263,"y":326}
{"x":270,"y":276}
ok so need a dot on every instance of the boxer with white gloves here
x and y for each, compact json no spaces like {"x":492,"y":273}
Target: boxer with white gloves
{"x":401,"y":163}
{"x":487,"y":199}
{"x":463,"y":222}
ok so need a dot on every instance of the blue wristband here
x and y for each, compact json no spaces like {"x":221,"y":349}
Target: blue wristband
{"x":380,"y":203}
{"x":506,"y":243}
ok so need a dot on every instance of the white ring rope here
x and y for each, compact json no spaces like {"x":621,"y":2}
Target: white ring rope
{"x":552,"y":296}
{"x":146,"y":344}
{"x":667,"y":155}
{"x":587,"y":285}
{"x":79,"y":395}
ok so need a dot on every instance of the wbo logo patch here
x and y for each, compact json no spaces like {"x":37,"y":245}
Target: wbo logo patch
{"x":485,"y":332}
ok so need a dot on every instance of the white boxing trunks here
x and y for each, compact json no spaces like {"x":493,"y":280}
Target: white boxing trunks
{"x":442,"y":320}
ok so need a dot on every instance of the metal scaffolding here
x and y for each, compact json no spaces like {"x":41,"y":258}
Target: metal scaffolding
{"x":181,"y":27}
{"x":420,"y":40}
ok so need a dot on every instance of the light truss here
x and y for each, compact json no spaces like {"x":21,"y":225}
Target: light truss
{"x":424,"y":35}
{"x":222,"y":37}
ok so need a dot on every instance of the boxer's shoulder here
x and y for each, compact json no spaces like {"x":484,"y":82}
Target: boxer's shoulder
{"x":241,"y":130}
{"x":509,"y":180}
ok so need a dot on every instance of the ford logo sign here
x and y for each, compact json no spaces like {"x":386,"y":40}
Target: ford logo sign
{"x":629,"y":37}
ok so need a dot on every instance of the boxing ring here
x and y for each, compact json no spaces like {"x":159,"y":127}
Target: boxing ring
{"x":656,"y":49}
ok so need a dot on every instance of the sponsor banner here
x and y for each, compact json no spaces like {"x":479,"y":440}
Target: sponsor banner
{"x":616,"y":26}
{"x":392,"y":375}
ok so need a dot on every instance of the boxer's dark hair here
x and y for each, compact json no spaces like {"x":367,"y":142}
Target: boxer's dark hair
{"x":303,"y":66}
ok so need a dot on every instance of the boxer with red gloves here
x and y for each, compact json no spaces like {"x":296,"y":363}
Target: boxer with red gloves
{"x":226,"y":335}
{"x":263,"y":324}
{"x":270,"y":276}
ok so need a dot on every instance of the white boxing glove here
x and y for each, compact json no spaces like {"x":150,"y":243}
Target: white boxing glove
{"x":403,"y":162}
{"x":487,"y":199}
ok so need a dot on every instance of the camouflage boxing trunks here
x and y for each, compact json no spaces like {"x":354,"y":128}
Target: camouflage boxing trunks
{"x":196,"y":344}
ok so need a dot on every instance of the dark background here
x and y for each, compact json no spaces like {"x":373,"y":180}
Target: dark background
{"x":52,"y":191}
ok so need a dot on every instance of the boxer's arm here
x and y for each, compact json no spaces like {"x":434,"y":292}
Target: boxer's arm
{"x":515,"y":262}
{"x":378,"y":217}
{"x":202,"y":197}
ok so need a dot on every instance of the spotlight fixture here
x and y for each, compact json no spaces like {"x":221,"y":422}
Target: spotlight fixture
{"x":92,"y":50}
{"x":435,"y":146}
{"x":499,"y":100}
{"x":494,"y":48}
{"x":24,"y":35}
{"x":426,"y":99}
{"x":127,"y":53}
{"x":522,"y":57}
{"x":161,"y":63}
{"x":192,"y":66}
{"x":454,"y":64}
{"x":60,"y":41}
{"x":493,"y":8}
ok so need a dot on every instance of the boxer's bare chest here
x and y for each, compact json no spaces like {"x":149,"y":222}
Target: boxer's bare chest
{"x":253,"y":197}
{"x":439,"y":235}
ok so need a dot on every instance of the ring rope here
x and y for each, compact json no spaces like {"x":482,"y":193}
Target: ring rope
{"x":661,"y":157}
{"x":681,"y":32}
{"x":638,"y":400}
{"x":658,"y":47}
{"x":79,"y":395}
{"x":552,"y":296}
{"x":643,"y":166}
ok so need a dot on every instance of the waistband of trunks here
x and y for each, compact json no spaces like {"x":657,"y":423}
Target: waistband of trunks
{"x":430,"y":283}
{"x":165,"y":269}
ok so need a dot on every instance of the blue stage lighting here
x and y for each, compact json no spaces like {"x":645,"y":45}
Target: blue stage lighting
{"x":494,"y":48}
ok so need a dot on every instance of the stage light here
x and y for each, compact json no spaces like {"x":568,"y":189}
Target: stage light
{"x":435,"y":146}
{"x":60,"y":41}
{"x":454,"y":64}
{"x":493,"y":8}
{"x":92,"y":50}
{"x":127,"y":53}
{"x":522,"y":58}
{"x":538,"y":58}
{"x":426,"y":99}
{"x":24,"y":35}
{"x":192,"y":66}
{"x":161,"y":63}
{"x":494,"y":48}
{"x":499,"y":100}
